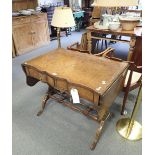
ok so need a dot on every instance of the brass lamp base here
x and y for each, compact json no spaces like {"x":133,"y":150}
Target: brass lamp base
{"x":129,"y":130}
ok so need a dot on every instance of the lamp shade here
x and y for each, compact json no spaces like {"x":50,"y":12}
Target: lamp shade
{"x":63,"y":17}
{"x":115,"y":3}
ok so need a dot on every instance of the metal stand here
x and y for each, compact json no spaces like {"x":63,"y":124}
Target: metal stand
{"x":58,"y":36}
{"x":128,"y":128}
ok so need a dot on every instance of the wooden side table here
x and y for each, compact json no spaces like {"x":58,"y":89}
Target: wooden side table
{"x":97,"y":79}
{"x":132,"y":34}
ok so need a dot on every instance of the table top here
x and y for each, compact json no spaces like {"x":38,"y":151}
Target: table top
{"x":97,"y":73}
{"x":136,"y":32}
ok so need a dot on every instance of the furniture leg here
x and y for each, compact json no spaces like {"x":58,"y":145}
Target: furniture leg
{"x":99,"y":132}
{"x":97,"y":136}
{"x":66,"y":32}
{"x":89,"y":45}
{"x":97,"y":43}
{"x":106,"y":45}
{"x":58,"y":37}
{"x":44,"y":101}
{"x":131,"y":49}
{"x":102,"y":45}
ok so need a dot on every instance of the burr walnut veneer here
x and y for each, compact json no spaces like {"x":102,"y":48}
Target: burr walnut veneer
{"x":97,"y":79}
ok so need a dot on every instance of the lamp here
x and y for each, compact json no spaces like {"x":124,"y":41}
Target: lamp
{"x":115,"y":3}
{"x":62,"y":18}
{"x":127,"y":24}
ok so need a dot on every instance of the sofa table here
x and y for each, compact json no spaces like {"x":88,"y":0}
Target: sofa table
{"x":137,"y":32}
{"x":97,"y":79}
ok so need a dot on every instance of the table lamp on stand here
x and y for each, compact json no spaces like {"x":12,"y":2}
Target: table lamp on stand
{"x":62,"y":18}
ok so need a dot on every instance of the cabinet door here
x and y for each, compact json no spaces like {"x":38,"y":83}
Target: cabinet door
{"x":40,"y":33}
{"x":22,"y":37}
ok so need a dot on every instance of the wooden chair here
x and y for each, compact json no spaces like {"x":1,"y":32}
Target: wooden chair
{"x":96,"y":15}
{"x":134,"y":74}
{"x":81,"y":47}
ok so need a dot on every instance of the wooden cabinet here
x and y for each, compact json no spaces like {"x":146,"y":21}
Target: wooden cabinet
{"x":22,"y":38}
{"x":30,"y":32}
{"x":40,"y":33}
{"x":24,"y":4}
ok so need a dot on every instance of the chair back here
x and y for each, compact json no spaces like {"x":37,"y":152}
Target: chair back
{"x":96,"y":12}
{"x":83,"y":44}
{"x":137,"y":55}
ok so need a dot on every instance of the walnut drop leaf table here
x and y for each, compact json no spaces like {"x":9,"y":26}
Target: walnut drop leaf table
{"x":97,"y":79}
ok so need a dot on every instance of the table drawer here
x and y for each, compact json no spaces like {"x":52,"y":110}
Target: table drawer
{"x":36,"y":74}
{"x":63,"y":85}
{"x":21,"y":20}
{"x":86,"y":93}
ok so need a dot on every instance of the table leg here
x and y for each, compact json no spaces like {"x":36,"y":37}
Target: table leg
{"x":131,"y":49}
{"x":51,"y":91}
{"x":99,"y":132}
{"x":97,"y":136}
{"x":89,"y":45}
{"x":44,"y":101}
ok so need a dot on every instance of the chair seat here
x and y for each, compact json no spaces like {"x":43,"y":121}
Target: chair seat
{"x":135,"y":77}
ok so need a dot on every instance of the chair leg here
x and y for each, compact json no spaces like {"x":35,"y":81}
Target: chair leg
{"x":97,"y":43}
{"x":126,"y":93}
{"x":102,"y":45}
{"x":106,"y":45}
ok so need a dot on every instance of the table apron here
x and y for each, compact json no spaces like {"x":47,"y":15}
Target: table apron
{"x":118,"y":40}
